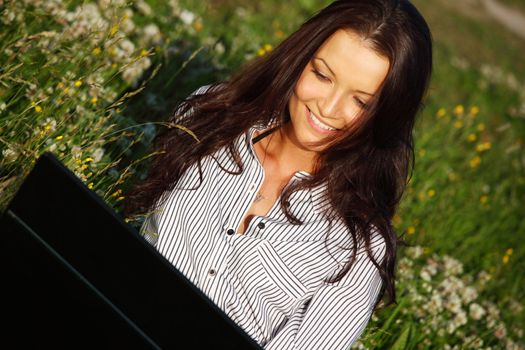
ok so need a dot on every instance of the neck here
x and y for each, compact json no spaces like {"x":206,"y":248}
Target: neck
{"x":287,"y":153}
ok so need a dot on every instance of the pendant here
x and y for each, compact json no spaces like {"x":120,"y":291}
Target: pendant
{"x":259,"y":197}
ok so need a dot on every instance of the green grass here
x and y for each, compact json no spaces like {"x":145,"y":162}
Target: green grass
{"x":465,"y":199}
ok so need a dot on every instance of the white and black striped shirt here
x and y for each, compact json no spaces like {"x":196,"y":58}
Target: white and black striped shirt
{"x":269,"y":280}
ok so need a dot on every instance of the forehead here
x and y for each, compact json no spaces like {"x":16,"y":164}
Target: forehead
{"x":355,"y":64}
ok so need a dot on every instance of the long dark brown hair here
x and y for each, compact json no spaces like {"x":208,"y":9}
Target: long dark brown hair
{"x":366,"y":171}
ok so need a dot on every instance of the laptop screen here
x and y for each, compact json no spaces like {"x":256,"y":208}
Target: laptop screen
{"x":74,"y":269}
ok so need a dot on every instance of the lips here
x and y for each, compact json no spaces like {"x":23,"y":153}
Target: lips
{"x":318,"y":125}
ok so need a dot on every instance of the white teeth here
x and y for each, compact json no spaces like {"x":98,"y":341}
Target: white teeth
{"x":319,"y":123}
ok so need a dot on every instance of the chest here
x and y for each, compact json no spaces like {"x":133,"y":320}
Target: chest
{"x":265,"y":199}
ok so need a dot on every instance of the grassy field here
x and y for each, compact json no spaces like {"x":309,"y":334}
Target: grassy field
{"x":460,"y":286}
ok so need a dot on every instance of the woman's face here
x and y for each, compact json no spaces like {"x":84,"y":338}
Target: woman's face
{"x":334,"y":87}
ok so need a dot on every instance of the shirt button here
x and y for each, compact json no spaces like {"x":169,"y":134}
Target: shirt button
{"x":261,"y":225}
{"x":230,"y":231}
{"x":212,"y":272}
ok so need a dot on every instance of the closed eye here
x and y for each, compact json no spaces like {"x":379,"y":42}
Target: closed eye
{"x":320,"y":76}
{"x":361,"y":103}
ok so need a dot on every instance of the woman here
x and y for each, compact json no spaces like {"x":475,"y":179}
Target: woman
{"x":275,"y":192}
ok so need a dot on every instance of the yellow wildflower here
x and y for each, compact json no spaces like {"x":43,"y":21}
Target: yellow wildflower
{"x":411,"y":230}
{"x":78,"y":83}
{"x":96,"y":51}
{"x":88,"y":159}
{"x":90,"y":186}
{"x":120,"y":198}
{"x":483,"y":146}
{"x":90,"y":174}
{"x":458,"y":124}
{"x":441,"y":113}
{"x":505,"y":259}
{"x":483,"y":199}
{"x":58,"y":138}
{"x":471,"y":137}
{"x":38,"y":109}
{"x":397,"y":219}
{"x":197,"y":25}
{"x":431,"y":193}
{"x":474,"y":110}
{"x":509,"y":251}
{"x":268,"y":47}
{"x":261,"y":52}
{"x":117,"y":192}
{"x":459,"y":110}
{"x":474,"y":162}
{"x":94,"y":100}
{"x":481,"y":127}
{"x":114,"y":30}
{"x":144,"y":52}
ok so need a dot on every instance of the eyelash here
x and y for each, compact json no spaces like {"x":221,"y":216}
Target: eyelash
{"x":323,"y":78}
{"x":319,"y":75}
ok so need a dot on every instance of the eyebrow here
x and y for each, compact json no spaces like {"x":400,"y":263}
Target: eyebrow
{"x":331,"y":71}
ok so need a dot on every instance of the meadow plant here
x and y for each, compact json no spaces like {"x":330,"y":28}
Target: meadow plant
{"x":68,"y":68}
{"x":441,"y":306}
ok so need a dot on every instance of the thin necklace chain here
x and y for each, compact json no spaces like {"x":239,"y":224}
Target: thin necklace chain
{"x":259,"y":197}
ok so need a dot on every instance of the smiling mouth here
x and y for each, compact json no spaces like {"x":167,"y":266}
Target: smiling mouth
{"x":317,"y":122}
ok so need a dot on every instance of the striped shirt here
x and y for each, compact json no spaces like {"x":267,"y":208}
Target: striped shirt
{"x":270,"y":280}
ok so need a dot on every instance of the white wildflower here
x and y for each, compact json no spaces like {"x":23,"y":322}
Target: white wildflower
{"x":9,"y":154}
{"x":414,"y":252}
{"x":187,"y":17}
{"x":175,"y":8}
{"x":51,"y":123}
{"x":435,"y":305}
{"x":127,"y":47}
{"x":85,"y":19}
{"x":452,"y":266}
{"x":127,"y":25}
{"x":453,"y":303}
{"x":143,"y":7}
{"x":476,"y":311}
{"x":76,"y":151}
{"x":135,"y":70}
{"x":461,"y":318}
{"x":424,"y":275}
{"x":501,"y":331}
{"x":219,"y":48}
{"x":468,"y":294}
{"x":151,"y":33}
{"x":97,"y":154}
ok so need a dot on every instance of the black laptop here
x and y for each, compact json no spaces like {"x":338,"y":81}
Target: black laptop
{"x":76,"y":276}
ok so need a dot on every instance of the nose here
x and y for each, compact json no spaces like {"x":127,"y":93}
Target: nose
{"x":330,"y":104}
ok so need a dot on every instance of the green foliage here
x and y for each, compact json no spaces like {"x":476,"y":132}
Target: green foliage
{"x":93,"y":82}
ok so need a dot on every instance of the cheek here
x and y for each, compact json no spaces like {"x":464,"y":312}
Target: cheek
{"x":307,"y":88}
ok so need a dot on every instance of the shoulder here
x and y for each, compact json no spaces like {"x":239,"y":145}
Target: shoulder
{"x":207,"y":88}
{"x":201,"y":90}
